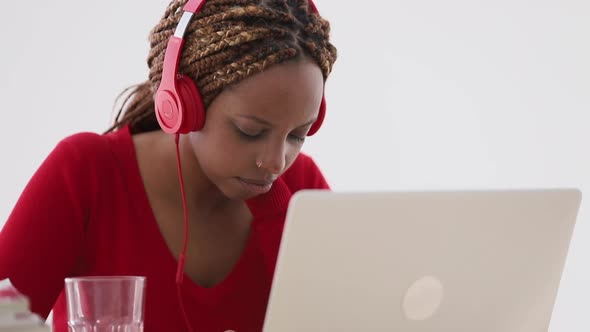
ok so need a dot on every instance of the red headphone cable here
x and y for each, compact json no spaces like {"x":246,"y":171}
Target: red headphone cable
{"x":181,"y":257}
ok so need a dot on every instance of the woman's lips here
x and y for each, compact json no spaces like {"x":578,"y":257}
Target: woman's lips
{"x":255,"y":186}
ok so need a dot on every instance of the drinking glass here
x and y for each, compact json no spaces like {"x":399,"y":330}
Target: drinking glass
{"x":101,"y":304}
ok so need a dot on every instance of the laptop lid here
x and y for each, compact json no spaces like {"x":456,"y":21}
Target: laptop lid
{"x":483,"y":261}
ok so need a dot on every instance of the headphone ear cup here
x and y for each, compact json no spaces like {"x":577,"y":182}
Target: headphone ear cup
{"x":318,"y":122}
{"x":168,"y":113}
{"x":194,"y":109}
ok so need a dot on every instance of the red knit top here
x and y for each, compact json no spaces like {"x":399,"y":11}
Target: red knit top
{"x":85,"y":212}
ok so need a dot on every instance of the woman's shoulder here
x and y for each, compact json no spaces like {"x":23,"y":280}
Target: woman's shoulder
{"x":89,"y":149}
{"x":83,"y":142}
{"x":87,"y":141}
{"x":305,"y":174}
{"x":303,"y":162}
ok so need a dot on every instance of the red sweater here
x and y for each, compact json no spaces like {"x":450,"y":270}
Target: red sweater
{"x":85,"y":212}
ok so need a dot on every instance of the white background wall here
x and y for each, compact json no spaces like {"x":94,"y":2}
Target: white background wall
{"x":426,"y":94}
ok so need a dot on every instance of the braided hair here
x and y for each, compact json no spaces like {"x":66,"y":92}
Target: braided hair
{"x":227,"y":41}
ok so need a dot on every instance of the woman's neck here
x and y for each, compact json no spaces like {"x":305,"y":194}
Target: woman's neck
{"x":201,"y":194}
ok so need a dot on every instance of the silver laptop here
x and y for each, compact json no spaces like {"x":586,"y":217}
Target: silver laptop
{"x":485,"y":261}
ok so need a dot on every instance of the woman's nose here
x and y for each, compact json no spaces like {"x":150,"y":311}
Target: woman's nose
{"x":274,"y":159}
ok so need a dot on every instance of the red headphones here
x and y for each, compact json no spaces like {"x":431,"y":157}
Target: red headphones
{"x":178,"y":103}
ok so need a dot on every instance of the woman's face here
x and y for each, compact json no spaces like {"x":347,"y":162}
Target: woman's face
{"x":263,"y":120}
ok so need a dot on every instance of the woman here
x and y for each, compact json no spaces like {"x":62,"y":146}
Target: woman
{"x":112,"y":204}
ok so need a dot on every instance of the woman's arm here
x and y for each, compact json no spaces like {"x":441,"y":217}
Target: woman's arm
{"x":42,"y":239}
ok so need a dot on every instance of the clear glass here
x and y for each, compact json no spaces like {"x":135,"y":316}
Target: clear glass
{"x":101,"y":304}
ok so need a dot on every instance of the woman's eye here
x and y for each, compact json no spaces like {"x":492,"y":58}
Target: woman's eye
{"x":297,"y":138}
{"x":248,"y":134}
{"x":252,"y":135}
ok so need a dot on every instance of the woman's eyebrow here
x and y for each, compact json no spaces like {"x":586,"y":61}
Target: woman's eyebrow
{"x":257,"y":119}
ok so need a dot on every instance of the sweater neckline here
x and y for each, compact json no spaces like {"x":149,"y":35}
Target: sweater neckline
{"x":262,"y":207}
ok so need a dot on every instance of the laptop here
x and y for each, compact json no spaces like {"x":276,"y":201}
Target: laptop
{"x":486,"y":261}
